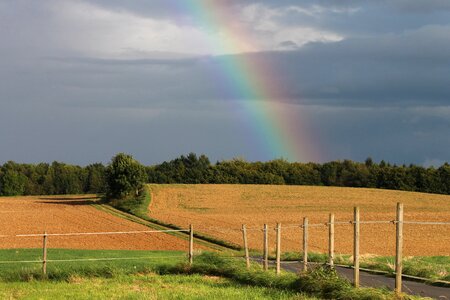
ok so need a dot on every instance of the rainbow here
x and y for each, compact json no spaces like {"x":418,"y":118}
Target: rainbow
{"x":254,"y":82}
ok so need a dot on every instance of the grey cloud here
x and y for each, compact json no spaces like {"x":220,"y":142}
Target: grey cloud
{"x":422,"y":6}
{"x":384,"y":91}
{"x":288,"y":45}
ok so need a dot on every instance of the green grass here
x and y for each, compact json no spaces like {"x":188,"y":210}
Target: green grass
{"x":145,"y":286}
{"x":143,"y":261}
{"x":430,"y":267}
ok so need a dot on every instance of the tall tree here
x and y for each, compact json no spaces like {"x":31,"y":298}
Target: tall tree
{"x":124,"y":176}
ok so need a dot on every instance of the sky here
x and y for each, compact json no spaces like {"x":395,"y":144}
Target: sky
{"x":301,"y":80}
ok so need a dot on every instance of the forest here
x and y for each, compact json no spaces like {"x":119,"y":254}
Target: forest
{"x":60,"y":178}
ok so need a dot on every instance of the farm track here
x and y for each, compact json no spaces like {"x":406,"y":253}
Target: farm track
{"x":182,"y":235}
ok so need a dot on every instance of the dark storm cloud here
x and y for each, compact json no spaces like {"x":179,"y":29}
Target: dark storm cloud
{"x":386,"y":70}
{"x":392,"y":70}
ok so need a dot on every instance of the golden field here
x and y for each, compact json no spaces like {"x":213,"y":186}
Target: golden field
{"x":220,"y":210}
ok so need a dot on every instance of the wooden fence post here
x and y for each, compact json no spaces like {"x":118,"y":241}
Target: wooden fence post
{"x":266,"y":248}
{"x":44,"y":254}
{"x":305,"y":244}
{"x":356,"y":247}
{"x":244,"y":236}
{"x":191,"y":244}
{"x":398,"y":249}
{"x":331,"y":240}
{"x":278,"y":259}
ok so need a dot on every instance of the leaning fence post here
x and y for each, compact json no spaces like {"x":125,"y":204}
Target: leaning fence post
{"x":398,"y":249}
{"x":266,"y":248}
{"x":356,"y":247}
{"x":44,"y":254}
{"x":278,"y":259}
{"x":331,"y":240}
{"x":191,"y":244}
{"x":305,"y":244}
{"x":244,"y":236}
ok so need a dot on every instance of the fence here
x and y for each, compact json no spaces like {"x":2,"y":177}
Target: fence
{"x":356,"y":222}
{"x":45,"y":237}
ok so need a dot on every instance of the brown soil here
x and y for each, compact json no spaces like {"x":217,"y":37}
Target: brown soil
{"x":69,"y":214}
{"x":219,"y":210}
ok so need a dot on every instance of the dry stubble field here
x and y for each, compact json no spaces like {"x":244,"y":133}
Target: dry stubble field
{"x":68,"y":214}
{"x":219,"y":210}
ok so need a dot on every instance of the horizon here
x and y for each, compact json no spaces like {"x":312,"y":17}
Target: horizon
{"x":214,"y":162}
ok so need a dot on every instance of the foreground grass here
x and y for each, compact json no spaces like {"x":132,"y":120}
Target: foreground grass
{"x":144,"y":286}
{"x":429,"y":267}
{"x":211,"y":276}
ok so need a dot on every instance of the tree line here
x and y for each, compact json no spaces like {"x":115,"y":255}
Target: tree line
{"x":51,"y":179}
{"x":346,"y":173}
{"x":60,"y":178}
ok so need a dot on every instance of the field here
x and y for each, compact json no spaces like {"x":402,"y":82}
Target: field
{"x":219,"y":210}
{"x":69,"y":214}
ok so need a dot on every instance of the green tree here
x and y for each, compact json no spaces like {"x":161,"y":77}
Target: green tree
{"x":124,"y":176}
{"x":12,"y":179}
{"x":95,"y":181}
{"x":444,"y":176}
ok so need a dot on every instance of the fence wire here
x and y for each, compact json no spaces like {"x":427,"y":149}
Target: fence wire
{"x":94,"y":233}
{"x":91,"y":259}
{"x":228,"y":229}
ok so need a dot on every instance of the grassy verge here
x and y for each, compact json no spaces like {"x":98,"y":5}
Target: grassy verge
{"x":138,"y":207}
{"x":429,"y":267}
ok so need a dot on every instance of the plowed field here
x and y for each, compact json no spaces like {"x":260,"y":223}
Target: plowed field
{"x":34,"y":215}
{"x":219,"y":210}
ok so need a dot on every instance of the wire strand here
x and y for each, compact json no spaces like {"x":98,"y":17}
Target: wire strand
{"x":90,"y":259}
{"x":99,"y":233}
